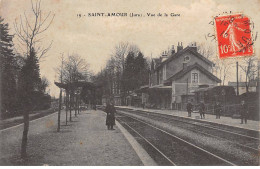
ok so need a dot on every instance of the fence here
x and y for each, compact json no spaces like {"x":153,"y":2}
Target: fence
{"x":228,"y":110}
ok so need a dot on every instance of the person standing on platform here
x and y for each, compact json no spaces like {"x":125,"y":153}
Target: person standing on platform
{"x":217,"y":110}
{"x":189,"y":109}
{"x":202,"y":110}
{"x":110,"y":120}
{"x":243,"y":112}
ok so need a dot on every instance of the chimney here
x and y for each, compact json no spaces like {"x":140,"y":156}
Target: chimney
{"x":193,"y":47}
{"x":179,"y":47}
{"x":173,"y":50}
{"x":164,"y":56}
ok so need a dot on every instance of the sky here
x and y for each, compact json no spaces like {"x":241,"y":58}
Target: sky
{"x":94,"y":38}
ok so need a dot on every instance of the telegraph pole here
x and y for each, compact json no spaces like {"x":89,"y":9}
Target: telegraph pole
{"x":258,"y":66}
{"x":60,"y":98}
{"x":237,"y":80}
{"x":187,"y":87}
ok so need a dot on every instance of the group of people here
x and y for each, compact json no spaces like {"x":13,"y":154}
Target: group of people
{"x":243,"y":110}
{"x":201,"y":109}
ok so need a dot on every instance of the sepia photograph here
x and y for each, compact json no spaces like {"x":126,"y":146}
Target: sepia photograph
{"x":129,"y":83}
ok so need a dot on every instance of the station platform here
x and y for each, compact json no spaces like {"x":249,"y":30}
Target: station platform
{"x":83,"y":142}
{"x":228,"y":121}
{"x":91,"y":144}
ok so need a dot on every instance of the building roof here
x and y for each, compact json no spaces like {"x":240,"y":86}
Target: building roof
{"x":242,"y":84}
{"x":142,"y":89}
{"x":86,"y":84}
{"x":187,"y":49}
{"x":188,"y":69}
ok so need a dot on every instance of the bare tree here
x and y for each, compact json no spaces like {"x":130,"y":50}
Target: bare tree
{"x":222,"y":68}
{"x":119,"y":54}
{"x":60,"y":69}
{"x":117,"y":62}
{"x":28,"y":34}
{"x":206,"y":50}
{"x":249,"y":67}
{"x":76,"y":68}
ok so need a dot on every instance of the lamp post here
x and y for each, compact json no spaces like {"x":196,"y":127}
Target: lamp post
{"x":60,"y":98}
{"x":59,"y":111}
{"x":237,"y":79}
{"x":70,"y":104}
{"x":223,"y":92}
{"x":76,"y":102}
{"x":66,"y":107}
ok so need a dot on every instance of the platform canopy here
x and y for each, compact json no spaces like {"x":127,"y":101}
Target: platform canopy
{"x":146,"y":88}
{"x":73,"y":85}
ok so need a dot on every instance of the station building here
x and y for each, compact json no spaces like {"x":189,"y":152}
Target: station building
{"x":175,"y":76}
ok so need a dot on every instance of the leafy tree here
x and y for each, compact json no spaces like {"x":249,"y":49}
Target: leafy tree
{"x":141,"y":71}
{"x":129,"y":73}
{"x":8,"y":68}
{"x":29,"y":80}
{"x":125,"y":71}
{"x":44,"y":83}
{"x":33,"y":65}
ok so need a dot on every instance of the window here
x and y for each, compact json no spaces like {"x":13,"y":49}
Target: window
{"x":160,"y":76}
{"x":184,"y":65}
{"x":194,"y":77}
{"x":157,"y":76}
{"x":186,"y":58}
{"x":164,"y":72}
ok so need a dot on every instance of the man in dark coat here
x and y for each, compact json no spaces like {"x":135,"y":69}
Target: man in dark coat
{"x":217,"y":110}
{"x":189,"y":109}
{"x":202,"y":110}
{"x":110,"y":120}
{"x":243,"y":112}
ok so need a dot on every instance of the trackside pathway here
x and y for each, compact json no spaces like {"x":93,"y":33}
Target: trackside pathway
{"x":251,"y":124}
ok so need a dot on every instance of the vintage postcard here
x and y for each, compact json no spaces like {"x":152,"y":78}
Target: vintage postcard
{"x":129,"y":83}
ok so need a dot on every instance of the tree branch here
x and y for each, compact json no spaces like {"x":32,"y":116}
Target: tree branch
{"x":45,"y":51}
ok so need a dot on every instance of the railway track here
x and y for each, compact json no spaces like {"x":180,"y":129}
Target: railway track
{"x":248,"y":141}
{"x":169,"y":148}
{"x":226,"y":128}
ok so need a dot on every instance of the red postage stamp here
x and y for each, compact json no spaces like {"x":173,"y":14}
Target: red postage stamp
{"x":234,"y":36}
